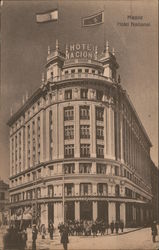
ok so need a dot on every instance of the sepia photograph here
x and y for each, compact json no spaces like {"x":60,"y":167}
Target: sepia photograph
{"x":79,"y":125}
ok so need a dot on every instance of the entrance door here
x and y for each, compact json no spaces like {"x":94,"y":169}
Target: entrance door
{"x":51,"y":212}
{"x":117,"y":211}
{"x":86,"y":212}
{"x":70,"y":210}
{"x":102,"y":211}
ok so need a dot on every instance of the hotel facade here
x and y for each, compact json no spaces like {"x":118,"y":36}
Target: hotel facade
{"x":77,"y":147}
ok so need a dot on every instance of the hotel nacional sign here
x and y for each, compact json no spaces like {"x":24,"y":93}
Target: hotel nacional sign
{"x":83,"y":50}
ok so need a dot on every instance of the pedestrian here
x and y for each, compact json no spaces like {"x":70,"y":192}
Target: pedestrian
{"x":116,"y":227}
{"x":64,"y":237}
{"x":121,"y":225}
{"x":154,"y":230}
{"x":24,"y":238}
{"x":34,"y":237}
{"x":106,"y":227}
{"x":43,"y":231}
{"x":112,"y":227}
{"x":51,"y":230}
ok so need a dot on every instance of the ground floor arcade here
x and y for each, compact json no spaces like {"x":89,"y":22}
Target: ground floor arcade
{"x":131,"y":213}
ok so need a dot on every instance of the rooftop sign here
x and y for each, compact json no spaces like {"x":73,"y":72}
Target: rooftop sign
{"x":84,"y":50}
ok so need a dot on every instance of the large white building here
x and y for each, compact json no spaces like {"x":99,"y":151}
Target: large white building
{"x":77,"y":147}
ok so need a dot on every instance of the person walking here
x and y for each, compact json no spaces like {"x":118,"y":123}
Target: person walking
{"x":154,"y":230}
{"x":34,"y":237}
{"x":43,"y":231}
{"x":112,"y":227}
{"x":121,"y":225}
{"x":64,"y":237}
{"x":51,"y":230}
{"x":116,"y":227}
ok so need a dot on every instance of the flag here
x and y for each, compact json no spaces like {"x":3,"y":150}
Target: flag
{"x":95,"y":19}
{"x":47,"y":16}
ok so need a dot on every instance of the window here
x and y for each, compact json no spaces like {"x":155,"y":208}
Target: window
{"x":100,"y":151}
{"x":93,"y":71}
{"x":69,"y":168}
{"x":2,"y":196}
{"x":84,"y":112}
{"x":99,"y":95}
{"x":100,"y":132}
{"x":117,"y":190}
{"x":69,"y":132}
{"x":102,"y":189}
{"x":116,"y":170}
{"x":84,"y":131}
{"x":85,"y":150}
{"x":84,"y":93}
{"x":128,"y":192}
{"x":50,"y":191}
{"x":87,"y":71}
{"x":72,"y":71}
{"x":68,"y":113}
{"x":38,"y":192}
{"x":66,"y":72}
{"x":99,"y":113}
{"x":79,"y":71}
{"x":101,"y":168}
{"x":85,"y":168}
{"x":69,"y":189}
{"x":86,"y":189}
{"x":69,"y":150}
{"x":68,"y":94}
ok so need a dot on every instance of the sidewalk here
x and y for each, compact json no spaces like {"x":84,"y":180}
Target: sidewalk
{"x":47,"y":244}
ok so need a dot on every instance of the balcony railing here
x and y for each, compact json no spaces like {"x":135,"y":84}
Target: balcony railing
{"x":79,"y":75}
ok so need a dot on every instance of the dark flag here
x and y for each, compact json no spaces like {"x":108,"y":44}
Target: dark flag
{"x":95,"y":19}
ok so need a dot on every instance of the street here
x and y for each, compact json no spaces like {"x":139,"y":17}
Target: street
{"x":140,"y":239}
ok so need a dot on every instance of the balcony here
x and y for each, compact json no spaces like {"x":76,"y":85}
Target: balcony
{"x":80,"y":76}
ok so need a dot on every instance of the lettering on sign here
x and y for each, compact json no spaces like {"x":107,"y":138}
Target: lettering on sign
{"x":83,"y":50}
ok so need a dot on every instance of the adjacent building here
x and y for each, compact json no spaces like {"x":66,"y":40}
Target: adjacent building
{"x":4,"y":202}
{"x":78,"y":149}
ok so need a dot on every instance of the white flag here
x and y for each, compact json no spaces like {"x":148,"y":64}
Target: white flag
{"x":47,"y":16}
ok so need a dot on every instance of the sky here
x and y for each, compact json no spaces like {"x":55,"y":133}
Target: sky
{"x":24,"y":50}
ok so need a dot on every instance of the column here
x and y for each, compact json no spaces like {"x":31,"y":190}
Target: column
{"x":94,"y":188}
{"x":77,"y":210}
{"x":47,"y":133}
{"x":10,"y":144}
{"x":93,"y":168}
{"x":23,"y":145}
{"x":17,"y":152}
{"x":77,"y":189}
{"x":55,"y":132}
{"x":44,"y":214}
{"x":36,"y":140}
{"x":31,"y":144}
{"x":56,"y":221}
{"x":92,"y":131}
{"x":42,"y":135}
{"x":60,"y":131}
{"x":76,"y":131}
{"x":108,"y":170}
{"x":123,"y":213}
{"x":111,"y":212}
{"x":94,"y":210}
{"x":105,"y":134}
{"x":112,"y":134}
{"x":76,"y":167}
{"x":60,"y":212}
{"x":121,"y":139}
{"x":134,"y":213}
